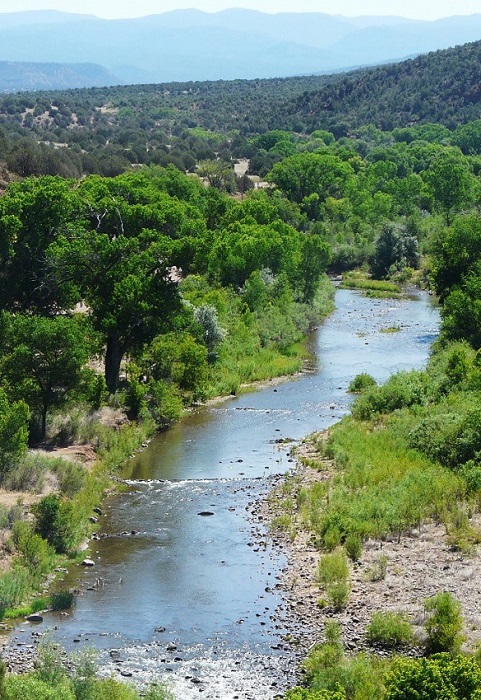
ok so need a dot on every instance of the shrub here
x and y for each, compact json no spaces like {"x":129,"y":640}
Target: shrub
{"x":13,"y":587}
{"x":56,"y":522}
{"x":36,"y":552}
{"x":391,"y":629}
{"x":378,"y":571}
{"x":61,"y":600}
{"x":50,"y":666}
{"x":333,"y":575}
{"x":353,"y":546}
{"x":417,"y":679}
{"x":450,"y":436}
{"x":29,"y":687}
{"x":361,"y":382}
{"x":402,"y":390}
{"x":28,"y":475}
{"x":444,"y":624}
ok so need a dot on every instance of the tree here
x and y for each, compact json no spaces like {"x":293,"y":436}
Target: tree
{"x":461,"y":311}
{"x":452,"y":183}
{"x":315,"y":257}
{"x":455,"y":251}
{"x":42,"y":359}
{"x":396,"y":248}
{"x":305,"y":174}
{"x":218,"y":173}
{"x":127,"y":286}
{"x":32,"y":214}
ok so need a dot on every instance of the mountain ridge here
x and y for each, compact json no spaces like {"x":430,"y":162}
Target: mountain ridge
{"x":183,"y":45}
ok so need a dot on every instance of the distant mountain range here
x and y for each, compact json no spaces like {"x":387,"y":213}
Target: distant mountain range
{"x":186,"y":45}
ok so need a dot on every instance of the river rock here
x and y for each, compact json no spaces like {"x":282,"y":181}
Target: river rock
{"x":206,"y":513}
{"x":35,"y":618}
{"x":88,"y":562}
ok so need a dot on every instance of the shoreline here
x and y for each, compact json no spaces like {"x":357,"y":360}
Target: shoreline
{"x":419,"y":564}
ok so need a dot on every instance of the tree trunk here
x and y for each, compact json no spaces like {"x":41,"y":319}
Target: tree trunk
{"x":43,"y":427}
{"x":113,"y":357}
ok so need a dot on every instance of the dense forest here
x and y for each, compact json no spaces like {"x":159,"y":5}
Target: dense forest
{"x":142,"y":290}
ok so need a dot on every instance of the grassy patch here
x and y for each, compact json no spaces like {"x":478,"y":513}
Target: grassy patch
{"x":372,"y":288}
{"x":390,"y":329}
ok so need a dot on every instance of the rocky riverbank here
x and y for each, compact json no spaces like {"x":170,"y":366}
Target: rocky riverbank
{"x":394,"y":575}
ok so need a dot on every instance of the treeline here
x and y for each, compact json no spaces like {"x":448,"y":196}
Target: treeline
{"x":145,"y":267}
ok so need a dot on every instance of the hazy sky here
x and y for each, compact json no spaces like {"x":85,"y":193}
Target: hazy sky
{"x":419,"y":9}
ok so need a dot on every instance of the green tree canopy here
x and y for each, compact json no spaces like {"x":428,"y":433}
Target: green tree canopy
{"x":41,"y":360}
{"x":306,"y":174}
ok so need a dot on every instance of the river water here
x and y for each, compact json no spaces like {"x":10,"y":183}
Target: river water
{"x":191,"y":598}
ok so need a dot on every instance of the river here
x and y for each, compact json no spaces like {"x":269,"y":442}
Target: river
{"x":192,"y":598}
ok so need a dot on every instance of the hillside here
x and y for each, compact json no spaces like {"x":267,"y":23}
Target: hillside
{"x":193,"y":45}
{"x":443,"y":86}
{"x":106,"y":130}
{"x":52,"y":76}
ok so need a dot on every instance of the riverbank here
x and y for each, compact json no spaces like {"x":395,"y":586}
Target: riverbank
{"x":419,"y":564}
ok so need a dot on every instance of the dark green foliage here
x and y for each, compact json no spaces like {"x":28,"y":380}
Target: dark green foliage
{"x":396,"y":248}
{"x":13,"y":433}
{"x":450,"y":435}
{"x":452,"y":183}
{"x":455,"y":253}
{"x":62,"y":600}
{"x":41,"y":360}
{"x":56,"y":522}
{"x":402,"y":390}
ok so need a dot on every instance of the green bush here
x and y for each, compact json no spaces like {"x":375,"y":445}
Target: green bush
{"x":61,"y":600}
{"x":56,"y":522}
{"x":417,"y":679}
{"x":29,"y":687}
{"x":36,"y":553}
{"x":14,"y":586}
{"x":402,"y":390}
{"x":444,"y":624}
{"x":333,"y":575}
{"x":378,"y":571}
{"x":391,"y":629}
{"x":361,"y":382}
{"x":450,"y":434}
{"x":439,"y":677}
{"x":353,"y":546}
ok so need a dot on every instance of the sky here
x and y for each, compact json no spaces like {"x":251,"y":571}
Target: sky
{"x":416,"y":9}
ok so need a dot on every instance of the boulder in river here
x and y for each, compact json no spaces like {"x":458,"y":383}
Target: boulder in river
{"x":36,"y":617}
{"x":88,"y":562}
